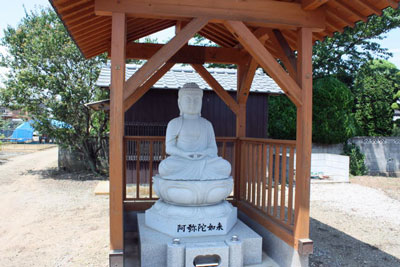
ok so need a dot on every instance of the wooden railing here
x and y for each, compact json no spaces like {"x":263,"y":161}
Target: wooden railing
{"x":143,"y":155}
{"x":263,"y":173}
{"x":267,"y":183}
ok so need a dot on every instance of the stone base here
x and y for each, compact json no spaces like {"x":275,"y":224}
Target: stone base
{"x":182,"y":221}
{"x":116,"y":258}
{"x":158,"y":249}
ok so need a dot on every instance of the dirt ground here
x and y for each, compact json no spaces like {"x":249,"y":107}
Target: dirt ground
{"x":51,"y":218}
{"x":356,"y":224}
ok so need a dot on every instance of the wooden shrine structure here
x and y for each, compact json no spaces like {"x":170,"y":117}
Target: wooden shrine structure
{"x":270,"y":187}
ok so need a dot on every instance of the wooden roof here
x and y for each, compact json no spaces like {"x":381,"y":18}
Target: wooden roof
{"x":91,"y":28}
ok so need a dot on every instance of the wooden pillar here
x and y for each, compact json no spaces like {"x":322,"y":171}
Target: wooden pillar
{"x":240,"y":127}
{"x":118,"y":43}
{"x":241,"y":116}
{"x":303,"y":135}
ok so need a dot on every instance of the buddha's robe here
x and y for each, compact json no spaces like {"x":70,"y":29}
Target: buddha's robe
{"x":192,"y":135}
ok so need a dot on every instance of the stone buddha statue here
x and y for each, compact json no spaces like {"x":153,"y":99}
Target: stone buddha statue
{"x":190,"y":142}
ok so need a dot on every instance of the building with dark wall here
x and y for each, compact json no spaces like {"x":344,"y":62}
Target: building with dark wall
{"x":151,"y":114}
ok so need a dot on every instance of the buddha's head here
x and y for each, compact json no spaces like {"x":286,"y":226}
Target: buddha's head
{"x":190,"y":99}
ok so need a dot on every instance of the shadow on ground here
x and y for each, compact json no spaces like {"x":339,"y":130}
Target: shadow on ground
{"x":57,"y":174}
{"x":335,"y":248}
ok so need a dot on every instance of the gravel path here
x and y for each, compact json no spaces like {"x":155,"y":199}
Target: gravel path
{"x":50,"y":218}
{"x":354,"y":225}
{"x":47,"y":218}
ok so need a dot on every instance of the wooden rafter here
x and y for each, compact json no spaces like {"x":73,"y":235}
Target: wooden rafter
{"x":262,"y":13}
{"x":340,"y":18}
{"x":219,"y":90}
{"x":312,"y":4}
{"x":343,"y":4}
{"x":163,"y":55}
{"x":132,"y":99}
{"x":368,"y":6}
{"x":81,"y":20}
{"x":265,"y":59}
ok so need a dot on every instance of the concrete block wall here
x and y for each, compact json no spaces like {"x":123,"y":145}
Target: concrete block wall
{"x":382,"y":154}
{"x":332,"y":165}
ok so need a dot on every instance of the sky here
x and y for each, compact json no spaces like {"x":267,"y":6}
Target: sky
{"x":12,"y":13}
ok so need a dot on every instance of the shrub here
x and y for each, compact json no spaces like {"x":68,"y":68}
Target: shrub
{"x":357,"y":164}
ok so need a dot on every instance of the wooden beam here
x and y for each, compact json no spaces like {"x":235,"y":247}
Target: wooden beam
{"x":118,"y":41}
{"x":219,"y":90}
{"x":274,"y":14}
{"x":188,"y":54}
{"x":303,"y":136}
{"x":287,"y":55}
{"x":312,"y":4}
{"x":128,"y":102}
{"x":245,"y":86}
{"x":262,"y":34}
{"x":266,"y":60}
{"x":178,"y":26}
{"x":163,"y":55}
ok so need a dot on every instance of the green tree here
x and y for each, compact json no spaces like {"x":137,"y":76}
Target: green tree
{"x":375,"y":87}
{"x":51,"y":80}
{"x":281,"y":118}
{"x":332,"y":113}
{"x":333,"y":102}
{"x":344,"y":53}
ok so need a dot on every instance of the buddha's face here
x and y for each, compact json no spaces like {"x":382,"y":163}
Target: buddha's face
{"x":190,"y":103}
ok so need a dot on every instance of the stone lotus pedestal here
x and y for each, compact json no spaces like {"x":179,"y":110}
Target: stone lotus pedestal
{"x":192,"y":208}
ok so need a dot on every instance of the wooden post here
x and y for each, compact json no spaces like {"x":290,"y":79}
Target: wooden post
{"x":240,"y":130}
{"x":118,"y":41}
{"x":303,"y":136}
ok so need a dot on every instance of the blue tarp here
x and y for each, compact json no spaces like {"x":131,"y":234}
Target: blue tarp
{"x":24,"y":132}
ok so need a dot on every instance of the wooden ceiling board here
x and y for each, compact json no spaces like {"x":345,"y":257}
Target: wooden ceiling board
{"x":155,"y":27}
{"x":70,"y":12}
{"x":215,"y":38}
{"x":92,"y":33}
{"x":90,"y":26}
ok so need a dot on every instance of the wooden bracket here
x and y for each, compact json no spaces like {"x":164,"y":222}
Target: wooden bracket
{"x":229,"y":101}
{"x":135,"y":96}
{"x":286,"y":54}
{"x":265,"y":59}
{"x":245,"y":86}
{"x":163,"y":55}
